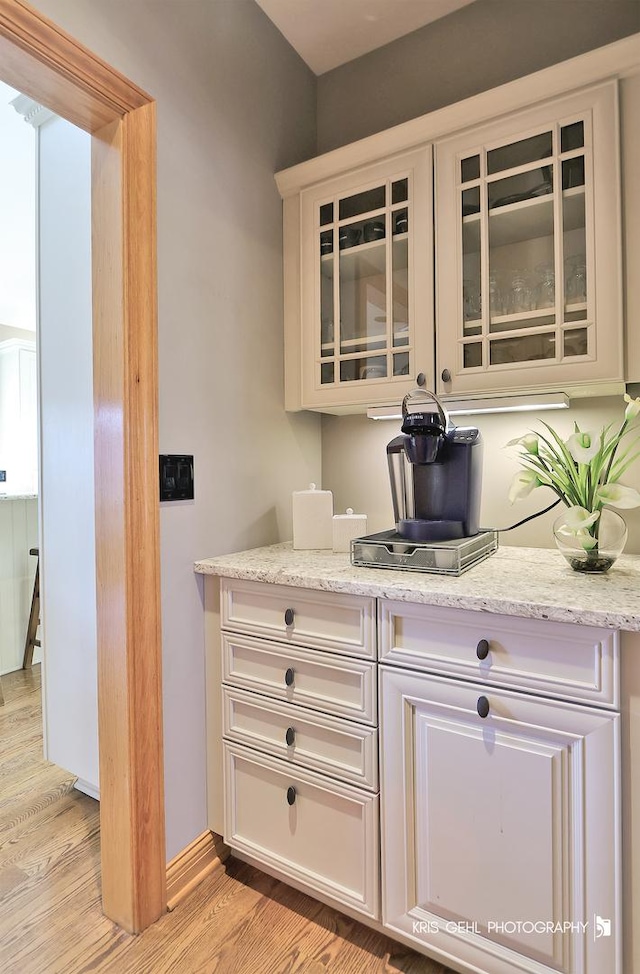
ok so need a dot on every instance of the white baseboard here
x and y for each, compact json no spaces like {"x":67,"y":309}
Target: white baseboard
{"x":87,"y":788}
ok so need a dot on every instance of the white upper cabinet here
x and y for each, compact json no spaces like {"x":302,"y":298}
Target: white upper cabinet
{"x":481,"y":242}
{"x":366,"y":285}
{"x":528,"y":249}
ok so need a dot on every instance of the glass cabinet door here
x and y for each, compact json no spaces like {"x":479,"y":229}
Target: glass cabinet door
{"x":525,"y":290}
{"x":362,"y":299}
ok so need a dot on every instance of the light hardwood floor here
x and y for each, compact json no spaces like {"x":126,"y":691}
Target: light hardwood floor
{"x":237,"y":922}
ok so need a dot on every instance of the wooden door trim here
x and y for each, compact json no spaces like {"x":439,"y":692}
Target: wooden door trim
{"x":42,"y":61}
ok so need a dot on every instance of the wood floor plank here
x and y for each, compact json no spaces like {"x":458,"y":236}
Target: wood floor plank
{"x":238,"y":921}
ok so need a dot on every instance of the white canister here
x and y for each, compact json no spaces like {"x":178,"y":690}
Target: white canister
{"x":346,"y":527}
{"x":312,"y":516}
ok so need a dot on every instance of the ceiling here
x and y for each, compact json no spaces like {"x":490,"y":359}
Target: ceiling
{"x":327,"y":33}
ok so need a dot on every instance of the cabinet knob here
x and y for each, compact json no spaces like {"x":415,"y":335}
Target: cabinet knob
{"x":482,"y":707}
{"x":289,"y":676}
{"x":291,"y":795}
{"x":482,"y":649}
{"x":445,"y":375}
{"x":288,"y":617}
{"x":421,"y":379}
{"x":290,"y":736}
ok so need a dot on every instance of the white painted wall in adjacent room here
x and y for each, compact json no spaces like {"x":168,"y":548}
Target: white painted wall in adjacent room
{"x":67,"y":546}
{"x":18,"y":533}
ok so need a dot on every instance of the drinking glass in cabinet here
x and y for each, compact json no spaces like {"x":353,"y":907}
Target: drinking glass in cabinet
{"x":520,"y":299}
{"x":545,"y":291}
{"x":575,"y":279}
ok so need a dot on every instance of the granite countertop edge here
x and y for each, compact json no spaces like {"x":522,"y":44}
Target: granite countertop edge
{"x":533,"y":583}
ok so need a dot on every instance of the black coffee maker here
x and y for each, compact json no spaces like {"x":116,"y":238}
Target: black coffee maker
{"x":436,"y":473}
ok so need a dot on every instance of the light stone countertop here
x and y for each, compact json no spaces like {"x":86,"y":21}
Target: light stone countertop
{"x":18,"y":497}
{"x":534,"y":583}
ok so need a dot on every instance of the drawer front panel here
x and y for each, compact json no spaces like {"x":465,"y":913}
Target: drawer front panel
{"x":554,"y":658}
{"x":327,"y":744}
{"x":327,"y":838}
{"x":323,"y":620}
{"x":333,"y":684}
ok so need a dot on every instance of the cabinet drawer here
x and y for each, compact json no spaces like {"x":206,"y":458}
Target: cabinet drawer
{"x":328,"y":744}
{"x":327,"y":838}
{"x":553,"y":658}
{"x":333,"y":684}
{"x":324,"y":620}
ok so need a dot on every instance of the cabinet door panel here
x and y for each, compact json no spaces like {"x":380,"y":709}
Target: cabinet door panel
{"x":499,"y":833}
{"x":366,"y":291}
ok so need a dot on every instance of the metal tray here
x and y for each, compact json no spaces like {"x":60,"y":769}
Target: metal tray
{"x":388,"y":549}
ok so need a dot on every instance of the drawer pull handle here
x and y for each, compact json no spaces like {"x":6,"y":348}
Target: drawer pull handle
{"x":290,"y":736}
{"x":482,"y":649}
{"x":288,"y":617}
{"x":482,"y":707}
{"x":289,"y":677}
{"x":291,"y":795}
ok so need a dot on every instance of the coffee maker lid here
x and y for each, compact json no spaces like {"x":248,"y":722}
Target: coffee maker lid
{"x":423,"y":413}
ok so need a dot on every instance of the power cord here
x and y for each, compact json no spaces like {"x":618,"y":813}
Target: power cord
{"x":529,"y":518}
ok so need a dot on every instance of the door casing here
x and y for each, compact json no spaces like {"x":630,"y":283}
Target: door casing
{"x":48,"y":65}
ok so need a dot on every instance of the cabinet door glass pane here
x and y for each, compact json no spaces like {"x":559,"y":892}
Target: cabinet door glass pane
{"x":372,"y":367}
{"x":572,"y":136}
{"x":326,"y":214}
{"x":371,"y":199}
{"x":326,"y":373}
{"x":400,"y":191}
{"x":470,"y":168}
{"x":523,"y":186}
{"x":471,"y":285}
{"x":576,"y":342}
{"x":363,"y":297}
{"x":519,"y":153}
{"x":574,"y":243}
{"x":326,"y":306}
{"x":527,"y":348}
{"x":400,"y":292}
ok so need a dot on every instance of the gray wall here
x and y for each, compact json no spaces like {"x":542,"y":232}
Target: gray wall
{"x":480,"y":46}
{"x":235,"y":104}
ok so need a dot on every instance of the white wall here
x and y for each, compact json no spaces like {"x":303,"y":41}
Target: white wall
{"x":18,"y":226}
{"x":67,"y":545}
{"x":235,"y":104}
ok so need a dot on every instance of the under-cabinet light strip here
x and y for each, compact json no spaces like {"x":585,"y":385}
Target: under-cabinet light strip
{"x":474,"y":407}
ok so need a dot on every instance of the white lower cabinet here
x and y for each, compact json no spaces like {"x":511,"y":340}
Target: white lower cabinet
{"x":494,"y":843}
{"x":499,"y":826}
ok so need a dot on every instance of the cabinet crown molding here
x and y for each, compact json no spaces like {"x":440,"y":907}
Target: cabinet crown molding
{"x":621,"y":59}
{"x":32,"y":111}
